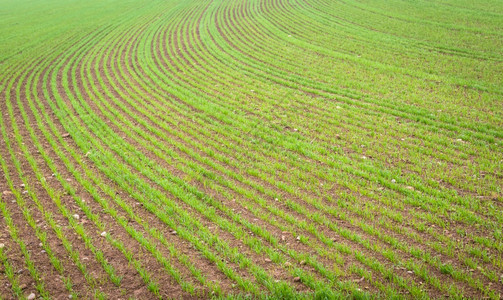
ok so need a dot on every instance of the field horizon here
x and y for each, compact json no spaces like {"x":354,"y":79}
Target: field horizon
{"x":251,"y":149}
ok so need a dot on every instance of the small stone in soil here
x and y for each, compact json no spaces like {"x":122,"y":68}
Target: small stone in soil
{"x":31,"y":296}
{"x":267,"y":260}
{"x":302,"y":262}
{"x":22,"y":185}
{"x":137,"y":293}
{"x":5,"y":193}
{"x":298,"y":238}
{"x":393,"y":180}
{"x":76,"y":217}
{"x":296,"y":279}
{"x":104,"y":233}
{"x":2,"y":245}
{"x":283,"y":238}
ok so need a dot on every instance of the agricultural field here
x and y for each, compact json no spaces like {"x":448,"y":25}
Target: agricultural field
{"x":251,"y":149}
